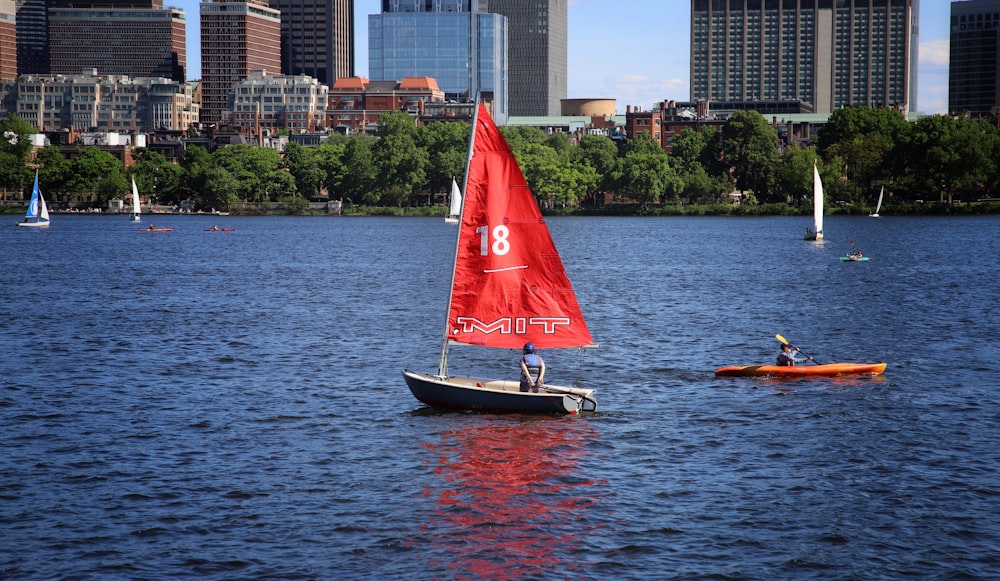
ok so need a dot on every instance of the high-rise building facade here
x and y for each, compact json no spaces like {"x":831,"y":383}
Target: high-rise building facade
{"x":537,"y":61}
{"x":32,"y":38}
{"x":237,"y":36}
{"x":8,"y":40}
{"x":317,"y":38}
{"x":829,"y":53}
{"x":456,"y":42}
{"x":139,"y":39}
{"x":974,"y":59}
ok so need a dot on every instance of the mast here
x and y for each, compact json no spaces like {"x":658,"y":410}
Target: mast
{"x":443,"y":365}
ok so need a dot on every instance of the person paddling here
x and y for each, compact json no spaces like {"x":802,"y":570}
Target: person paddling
{"x":786,"y":358}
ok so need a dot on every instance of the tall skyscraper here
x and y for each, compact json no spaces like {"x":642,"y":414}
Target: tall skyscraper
{"x":32,"y":38}
{"x":538,"y":40}
{"x":237,"y":36}
{"x":134,"y":38}
{"x":317,"y":38}
{"x":829,"y":53}
{"x":974,"y":60}
{"x":456,"y":42}
{"x":8,"y":40}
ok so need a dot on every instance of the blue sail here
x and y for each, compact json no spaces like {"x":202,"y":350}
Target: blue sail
{"x":33,"y":203}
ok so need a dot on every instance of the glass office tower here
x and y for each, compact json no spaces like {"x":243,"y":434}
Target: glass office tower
{"x":974,"y":59}
{"x":456,"y":42}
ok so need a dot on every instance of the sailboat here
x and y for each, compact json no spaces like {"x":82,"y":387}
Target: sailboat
{"x":37,"y":215}
{"x":455,"y":209}
{"x":817,"y":232}
{"x":508,"y":288}
{"x":878,"y":206}
{"x":136,"y":207}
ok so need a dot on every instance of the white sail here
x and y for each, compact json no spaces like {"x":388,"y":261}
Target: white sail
{"x":136,"y":206}
{"x":878,"y":206}
{"x":817,"y":204}
{"x":455,"y":209}
{"x":43,"y":213}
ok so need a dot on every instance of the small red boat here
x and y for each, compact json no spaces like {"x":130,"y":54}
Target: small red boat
{"x":826,"y":370}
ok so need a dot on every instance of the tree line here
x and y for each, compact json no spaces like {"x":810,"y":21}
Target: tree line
{"x":858,"y":152}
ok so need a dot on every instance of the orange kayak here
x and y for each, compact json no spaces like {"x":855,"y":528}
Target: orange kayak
{"x":801,"y":370}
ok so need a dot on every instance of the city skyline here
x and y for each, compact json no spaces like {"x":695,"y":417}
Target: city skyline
{"x":630,"y":56}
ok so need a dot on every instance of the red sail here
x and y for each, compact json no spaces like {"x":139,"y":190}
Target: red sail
{"x":510,"y":286}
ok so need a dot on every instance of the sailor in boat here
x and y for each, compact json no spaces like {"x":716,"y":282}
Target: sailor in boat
{"x":786,"y":358}
{"x":532,"y":365}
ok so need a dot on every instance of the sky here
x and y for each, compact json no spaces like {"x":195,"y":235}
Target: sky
{"x":639,"y":55}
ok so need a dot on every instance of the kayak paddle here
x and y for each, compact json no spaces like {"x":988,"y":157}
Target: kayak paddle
{"x":785,"y":341}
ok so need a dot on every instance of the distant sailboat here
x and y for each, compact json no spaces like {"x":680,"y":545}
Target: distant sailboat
{"x":817,"y":232}
{"x":37,"y":215}
{"x":136,"y":207}
{"x":455,"y":209}
{"x":878,"y":206}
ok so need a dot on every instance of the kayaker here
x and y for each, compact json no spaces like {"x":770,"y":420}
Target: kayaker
{"x":531,"y":363}
{"x":786,"y":358}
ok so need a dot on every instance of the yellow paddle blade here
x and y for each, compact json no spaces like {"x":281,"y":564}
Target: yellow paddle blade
{"x":782,"y":339}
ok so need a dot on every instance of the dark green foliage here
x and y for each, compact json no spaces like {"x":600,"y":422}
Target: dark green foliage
{"x":860,"y":150}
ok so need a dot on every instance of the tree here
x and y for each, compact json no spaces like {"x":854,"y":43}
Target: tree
{"x":868,"y":142}
{"x":194,"y":180}
{"x":555,"y":179}
{"x":96,"y":174}
{"x":948,"y":156}
{"x":15,"y":148}
{"x":645,"y":171}
{"x":359,"y":182}
{"x":54,"y":171}
{"x":750,"y":149}
{"x":330,"y":158}
{"x":795,"y":174}
{"x":304,"y":165}
{"x":221,"y":189}
{"x":848,"y":123}
{"x":155,"y":175}
{"x":446,"y":144}
{"x":601,"y":154}
{"x":402,"y":166}
{"x":521,"y":136}
{"x":255,"y":168}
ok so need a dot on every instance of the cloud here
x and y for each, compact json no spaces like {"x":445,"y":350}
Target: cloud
{"x":934,"y":53}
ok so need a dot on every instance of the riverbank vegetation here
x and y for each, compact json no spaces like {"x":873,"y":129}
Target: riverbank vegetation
{"x":938,"y":164}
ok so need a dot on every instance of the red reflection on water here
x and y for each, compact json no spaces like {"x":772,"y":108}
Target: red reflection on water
{"x":511,"y":497}
{"x":821,"y":382}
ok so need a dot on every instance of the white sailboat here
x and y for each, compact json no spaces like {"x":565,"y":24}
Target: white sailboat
{"x":878,"y":206}
{"x":37,"y":215}
{"x":817,"y":232}
{"x":508,"y":289}
{"x":455,"y":208}
{"x":136,"y":206}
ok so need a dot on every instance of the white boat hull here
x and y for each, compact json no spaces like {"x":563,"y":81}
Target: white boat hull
{"x":470,"y":393}
{"x":33,"y":224}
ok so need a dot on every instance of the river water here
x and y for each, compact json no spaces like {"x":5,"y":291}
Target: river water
{"x":230,"y":405}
